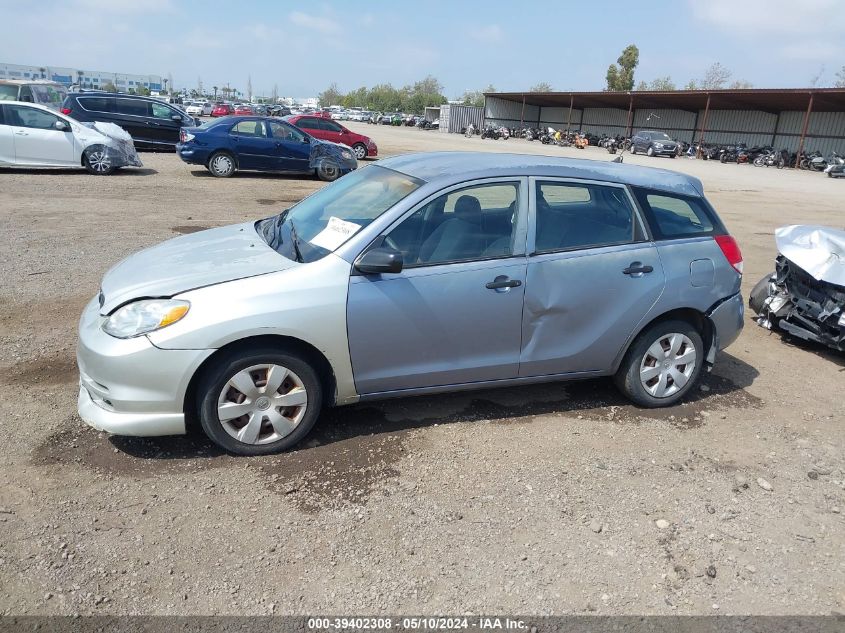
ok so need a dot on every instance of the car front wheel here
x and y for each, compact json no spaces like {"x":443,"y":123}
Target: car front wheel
{"x":650,"y":151}
{"x":221,"y":164}
{"x":328,"y":171}
{"x":662,"y":365}
{"x":259,"y":402}
{"x":360,"y":151}
{"x":97,"y":161}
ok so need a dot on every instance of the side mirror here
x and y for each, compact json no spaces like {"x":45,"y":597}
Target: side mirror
{"x":176,"y":117}
{"x":306,"y":140}
{"x":379,"y":260}
{"x":60,"y":125}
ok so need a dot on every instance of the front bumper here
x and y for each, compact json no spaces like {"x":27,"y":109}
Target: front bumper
{"x":372,"y":150}
{"x":129,"y":386}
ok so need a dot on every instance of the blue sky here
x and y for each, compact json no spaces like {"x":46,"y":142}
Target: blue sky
{"x":304,"y":46}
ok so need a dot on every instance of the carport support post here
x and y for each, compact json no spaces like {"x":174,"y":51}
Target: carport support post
{"x":569,"y":119}
{"x":522,"y":116}
{"x":804,"y":131}
{"x":703,"y":126}
{"x":630,"y":112}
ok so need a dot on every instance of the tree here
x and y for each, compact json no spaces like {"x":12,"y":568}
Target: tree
{"x":621,"y":78}
{"x":215,"y":92}
{"x":543,"y":86}
{"x":840,"y":78}
{"x":741,"y":84}
{"x":109,"y":87}
{"x":716,"y":77}
{"x":249,"y":88}
{"x":691,"y":85}
{"x":330,"y":96}
{"x":661,"y":83}
{"x":143,"y":91}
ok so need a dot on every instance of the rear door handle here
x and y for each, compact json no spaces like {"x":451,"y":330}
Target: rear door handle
{"x":637,"y":268}
{"x":503,"y":281}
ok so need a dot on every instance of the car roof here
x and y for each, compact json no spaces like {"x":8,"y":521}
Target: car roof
{"x":30,"y":104}
{"x":455,"y":167}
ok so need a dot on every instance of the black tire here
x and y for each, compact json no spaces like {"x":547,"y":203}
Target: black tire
{"x":360,"y":151}
{"x":650,"y":151}
{"x":217,"y":377}
{"x":633,"y":149}
{"x":723,"y":159}
{"x":328,"y":171}
{"x":673,"y":155}
{"x":97,"y":161}
{"x":222,"y":164}
{"x":627,"y":378}
{"x":759,"y":294}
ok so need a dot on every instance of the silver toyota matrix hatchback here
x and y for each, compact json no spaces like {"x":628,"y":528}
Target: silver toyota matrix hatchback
{"x":418,"y":274}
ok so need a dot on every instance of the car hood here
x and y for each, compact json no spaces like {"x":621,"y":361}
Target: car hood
{"x":188,"y":262}
{"x":819,"y":250}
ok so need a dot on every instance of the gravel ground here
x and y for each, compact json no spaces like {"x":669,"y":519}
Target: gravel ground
{"x":543,"y":499}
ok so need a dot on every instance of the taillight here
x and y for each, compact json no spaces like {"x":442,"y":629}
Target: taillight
{"x":731,"y":251}
{"x":184,"y":137}
{"x":66,"y":110}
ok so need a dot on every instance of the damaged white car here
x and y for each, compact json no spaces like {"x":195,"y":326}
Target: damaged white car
{"x":805,"y":296}
{"x":32,"y":135}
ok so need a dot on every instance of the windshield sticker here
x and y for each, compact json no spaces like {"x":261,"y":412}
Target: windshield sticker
{"x":337,"y":231}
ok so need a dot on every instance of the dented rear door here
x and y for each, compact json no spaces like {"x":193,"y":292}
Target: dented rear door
{"x":583,"y":300}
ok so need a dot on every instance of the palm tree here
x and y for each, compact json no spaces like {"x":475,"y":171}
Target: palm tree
{"x":215,"y":92}
{"x":42,"y":70}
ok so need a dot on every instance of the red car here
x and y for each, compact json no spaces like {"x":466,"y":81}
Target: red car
{"x":222,"y":109}
{"x":244,"y":110}
{"x":328,"y":130}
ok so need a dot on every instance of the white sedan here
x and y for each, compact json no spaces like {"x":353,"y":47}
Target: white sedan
{"x":32,"y":135}
{"x":200,"y":108}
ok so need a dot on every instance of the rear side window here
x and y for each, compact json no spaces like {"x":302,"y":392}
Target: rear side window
{"x":249,"y":128}
{"x":132,"y":106}
{"x":8,"y":93}
{"x":672,"y":216}
{"x":95,"y":104}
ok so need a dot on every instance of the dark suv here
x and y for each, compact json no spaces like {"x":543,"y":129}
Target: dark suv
{"x":654,"y":144}
{"x":152,"y":123}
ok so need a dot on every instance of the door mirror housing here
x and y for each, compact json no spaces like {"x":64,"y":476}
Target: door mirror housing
{"x":176,"y":117}
{"x":380,"y":260}
{"x":61,"y":126}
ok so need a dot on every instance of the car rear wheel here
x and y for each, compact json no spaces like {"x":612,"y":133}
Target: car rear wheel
{"x":633,"y":149}
{"x":97,"y":161}
{"x":221,"y":164}
{"x":662,"y":365}
{"x":259,"y":402}
{"x":360,"y":151}
{"x":328,"y":171}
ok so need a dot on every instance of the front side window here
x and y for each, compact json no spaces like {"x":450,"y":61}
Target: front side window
{"x":673,"y":216}
{"x":22,"y":116}
{"x":249,"y":128}
{"x":326,"y":219}
{"x":8,"y":93}
{"x":162,"y":111}
{"x":286,"y":132}
{"x":468,"y":224}
{"x":581,"y":215}
{"x":331,"y":126}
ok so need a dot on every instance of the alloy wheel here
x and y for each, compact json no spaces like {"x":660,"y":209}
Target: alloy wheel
{"x":668,"y":365}
{"x":262,"y":404}
{"x":99,"y":161}
{"x":360,"y":152}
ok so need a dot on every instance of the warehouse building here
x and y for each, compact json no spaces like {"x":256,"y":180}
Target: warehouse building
{"x":82,"y":78}
{"x":794,"y":119}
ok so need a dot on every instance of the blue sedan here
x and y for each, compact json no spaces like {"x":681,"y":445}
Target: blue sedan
{"x":261,"y":143}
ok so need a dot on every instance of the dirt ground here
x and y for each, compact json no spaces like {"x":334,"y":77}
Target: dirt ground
{"x":545,"y":499}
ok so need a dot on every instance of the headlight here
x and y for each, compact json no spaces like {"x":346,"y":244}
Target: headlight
{"x":658,"y":145}
{"x":144,"y":316}
{"x":346,"y":154}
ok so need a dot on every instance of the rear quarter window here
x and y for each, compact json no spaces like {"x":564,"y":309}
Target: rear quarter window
{"x":674,"y":217}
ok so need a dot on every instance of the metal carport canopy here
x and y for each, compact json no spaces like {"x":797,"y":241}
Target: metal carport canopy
{"x":767,"y":100}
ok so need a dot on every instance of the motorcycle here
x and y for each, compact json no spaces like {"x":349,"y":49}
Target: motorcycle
{"x":491,"y":132}
{"x":612,"y":145}
{"x":469,"y":131}
{"x":836,"y":166}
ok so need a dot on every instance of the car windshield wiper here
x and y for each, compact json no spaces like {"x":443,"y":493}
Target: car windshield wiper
{"x":295,"y":242}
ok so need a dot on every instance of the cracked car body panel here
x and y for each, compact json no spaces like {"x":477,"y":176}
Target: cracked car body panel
{"x":818,"y":250}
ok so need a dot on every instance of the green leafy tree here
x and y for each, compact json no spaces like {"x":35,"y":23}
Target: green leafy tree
{"x":621,"y":77}
{"x":143,"y":91}
{"x":543,"y":86}
{"x":741,"y":84}
{"x":330,"y":96}
{"x":109,"y":87}
{"x":663,"y":84}
{"x":716,"y":77}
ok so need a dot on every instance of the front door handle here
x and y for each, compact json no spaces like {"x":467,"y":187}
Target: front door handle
{"x":503,"y":281}
{"x":637,"y":269}
{"x":21,"y":133}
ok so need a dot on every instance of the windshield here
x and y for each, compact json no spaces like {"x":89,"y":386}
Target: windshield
{"x":8,"y":93}
{"x":660,"y":136}
{"x":326,"y":219}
